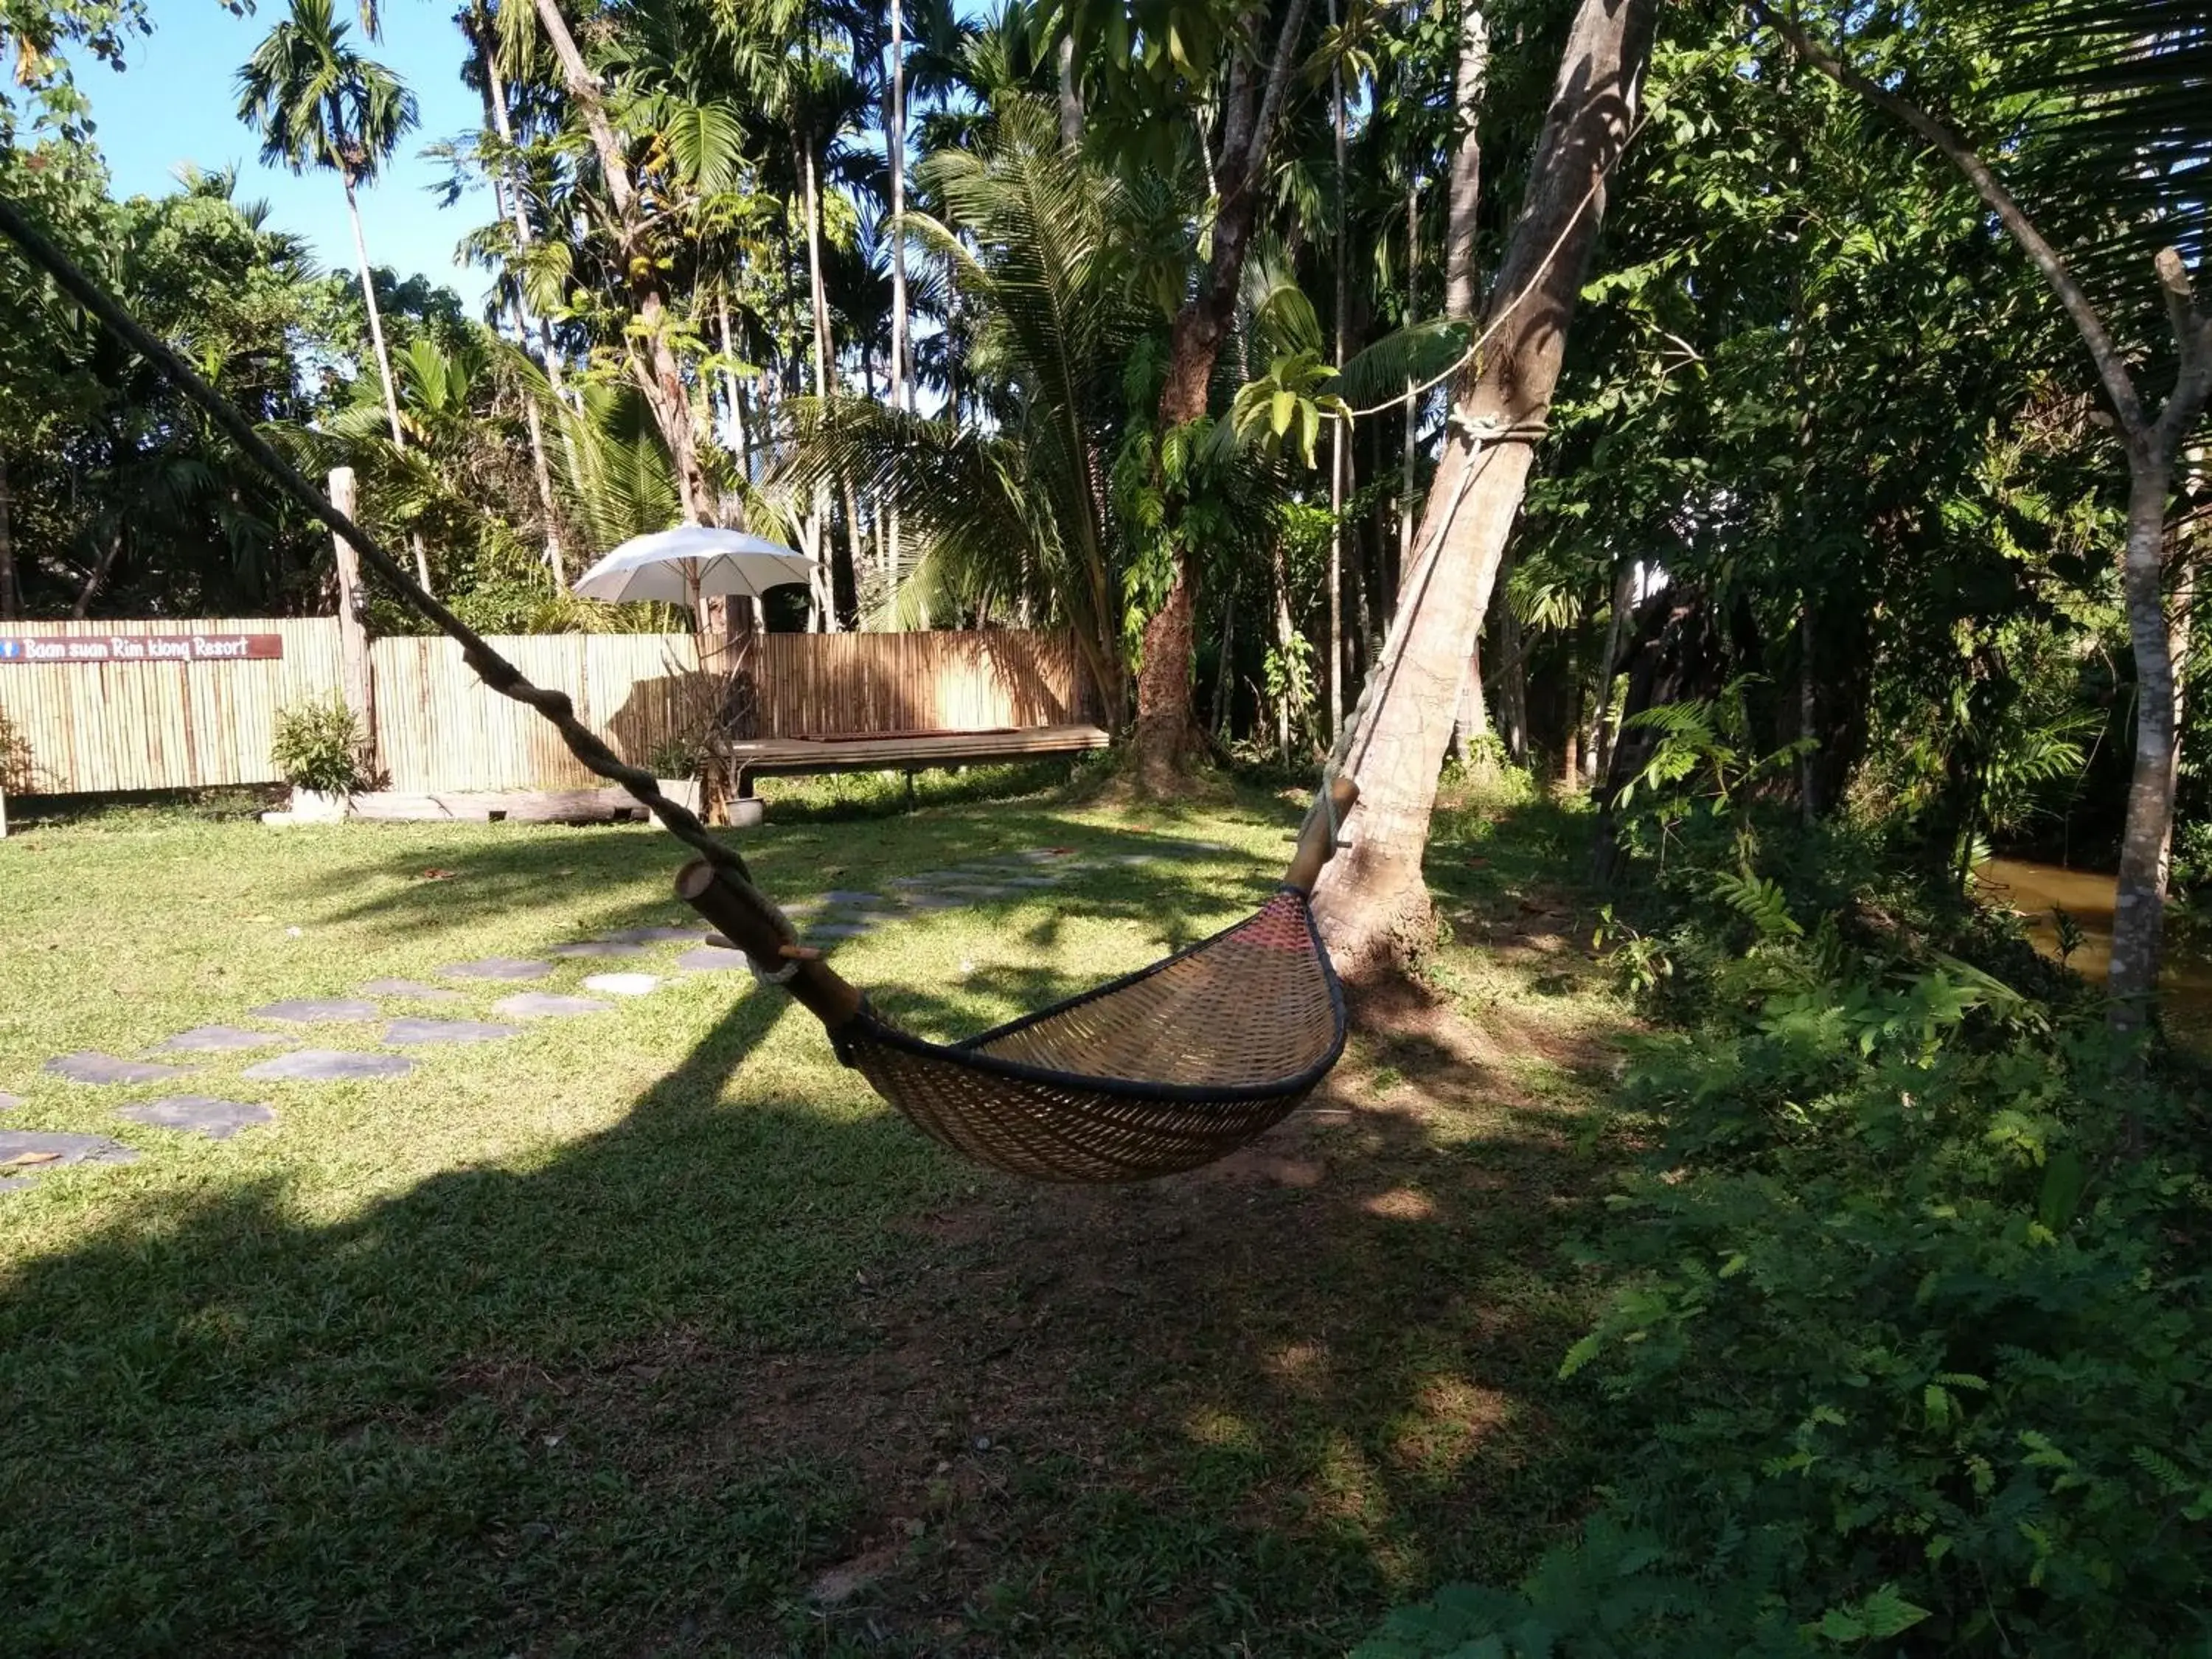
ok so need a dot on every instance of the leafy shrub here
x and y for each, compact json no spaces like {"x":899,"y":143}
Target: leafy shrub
{"x":17,"y":770}
{"x":318,"y":744}
{"x":675,"y":757}
{"x":1907,"y":1348}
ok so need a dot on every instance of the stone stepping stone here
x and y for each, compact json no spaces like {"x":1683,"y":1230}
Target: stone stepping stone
{"x":711,"y":959}
{"x":315,"y":1010}
{"x":503,"y":968}
{"x":408,"y":1033}
{"x":654,"y":935}
{"x":846,"y":896}
{"x":412,"y":987}
{"x":598,"y":947}
{"x":219,"y":1040}
{"x":1032,"y":881}
{"x":9,"y":1102}
{"x":932,"y":901}
{"x":33,"y":1151}
{"x":541,"y":1004}
{"x":987,"y":891}
{"x":621,"y":985}
{"x":88,"y":1066}
{"x":841,"y":930}
{"x":327,"y":1066}
{"x":202,"y":1115}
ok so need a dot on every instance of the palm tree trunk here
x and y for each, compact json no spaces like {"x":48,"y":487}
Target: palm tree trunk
{"x":1336,"y":427}
{"x":1161,"y":743}
{"x":1469,"y":79}
{"x":1070,"y":95}
{"x":2146,"y":842}
{"x":1411,"y":406}
{"x":657,"y":373}
{"x":506,"y":197}
{"x":383,"y":362}
{"x":901,"y":369}
{"x":11,"y":592}
{"x":839,"y":615}
{"x":1372,"y":901}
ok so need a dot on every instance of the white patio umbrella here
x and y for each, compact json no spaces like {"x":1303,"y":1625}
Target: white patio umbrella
{"x":693,"y":562}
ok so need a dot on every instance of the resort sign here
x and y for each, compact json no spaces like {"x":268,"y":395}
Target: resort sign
{"x":140,"y":647}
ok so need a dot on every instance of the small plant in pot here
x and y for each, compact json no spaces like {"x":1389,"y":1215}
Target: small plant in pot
{"x":318,"y":748}
{"x":676,"y":763}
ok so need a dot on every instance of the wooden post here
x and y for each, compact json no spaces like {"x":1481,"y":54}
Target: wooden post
{"x":355,"y":682}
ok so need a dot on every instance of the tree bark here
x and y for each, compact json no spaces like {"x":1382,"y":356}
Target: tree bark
{"x":11,"y":591}
{"x":1070,"y":95}
{"x":506,"y":197}
{"x":1512,"y":676}
{"x":1163,"y":739}
{"x":657,"y":372}
{"x":1469,"y":81}
{"x":1372,"y":901}
{"x":110,"y":550}
{"x":1465,"y":202}
{"x":1336,"y":427}
{"x":2146,"y":843}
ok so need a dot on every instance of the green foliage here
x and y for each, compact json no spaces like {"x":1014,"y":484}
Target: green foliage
{"x":18,"y":769}
{"x":1902,"y":1339}
{"x":318,"y":744}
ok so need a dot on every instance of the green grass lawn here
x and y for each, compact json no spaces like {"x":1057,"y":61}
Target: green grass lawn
{"x":654,"y":1331}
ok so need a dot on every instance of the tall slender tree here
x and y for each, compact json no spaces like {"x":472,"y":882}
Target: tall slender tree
{"x":318,"y":103}
{"x":1372,"y":900}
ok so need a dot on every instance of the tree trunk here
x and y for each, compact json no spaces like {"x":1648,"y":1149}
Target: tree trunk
{"x":901,"y":369}
{"x":1371,"y":900}
{"x":1336,"y":427}
{"x":383,"y":363}
{"x":11,"y":591}
{"x":657,"y":373}
{"x":2146,"y":844}
{"x":1412,"y":408}
{"x":1162,"y":741}
{"x":506,"y":197}
{"x":110,"y":549}
{"x":1466,"y":200}
{"x":1468,"y":84}
{"x":1285,"y":632}
{"x":1605,"y":730}
{"x":1070,"y":95}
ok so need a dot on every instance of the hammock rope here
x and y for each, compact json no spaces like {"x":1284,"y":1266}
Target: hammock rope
{"x":1155,"y":1073}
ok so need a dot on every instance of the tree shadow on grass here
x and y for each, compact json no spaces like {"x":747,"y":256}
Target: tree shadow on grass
{"x":647,"y":1393}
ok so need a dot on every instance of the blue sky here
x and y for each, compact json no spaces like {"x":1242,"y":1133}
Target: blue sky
{"x":177,"y":102}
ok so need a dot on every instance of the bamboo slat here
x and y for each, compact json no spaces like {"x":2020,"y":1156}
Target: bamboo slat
{"x":97,"y":727}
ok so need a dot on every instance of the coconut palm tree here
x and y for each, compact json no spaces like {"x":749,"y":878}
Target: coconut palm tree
{"x":1012,"y":507}
{"x":318,"y":103}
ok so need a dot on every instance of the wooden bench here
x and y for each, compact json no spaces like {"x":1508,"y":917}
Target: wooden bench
{"x":902,"y":751}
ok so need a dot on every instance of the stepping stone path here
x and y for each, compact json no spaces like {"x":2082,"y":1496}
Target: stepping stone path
{"x":88,"y":1066}
{"x":410,"y":1033}
{"x":218,"y":1120}
{"x":9,"y":1102}
{"x":841,"y":930}
{"x":931,"y":901}
{"x":541,"y":1004}
{"x":219,"y":1040}
{"x":500,"y":967}
{"x":410,"y":987}
{"x":598,"y":947}
{"x":622,"y":985}
{"x":32,"y":1151}
{"x":655,"y":935}
{"x":712,"y":959}
{"x":327,"y":1066}
{"x":844,"y":896}
{"x":314,"y":1011}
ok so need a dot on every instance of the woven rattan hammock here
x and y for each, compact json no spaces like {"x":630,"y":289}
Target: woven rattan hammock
{"x":1154,"y":1073}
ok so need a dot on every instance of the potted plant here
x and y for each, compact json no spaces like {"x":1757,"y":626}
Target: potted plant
{"x":318,"y":747}
{"x":675,"y":762}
